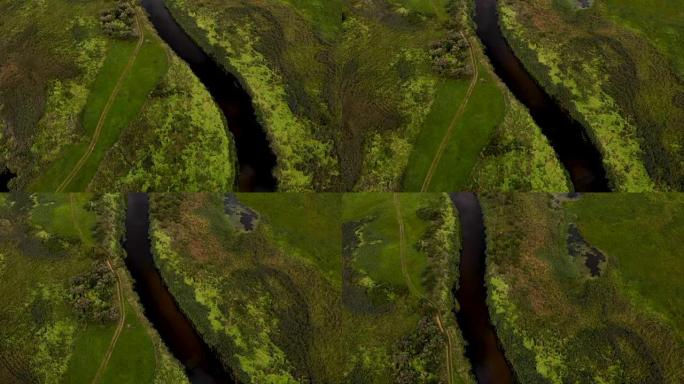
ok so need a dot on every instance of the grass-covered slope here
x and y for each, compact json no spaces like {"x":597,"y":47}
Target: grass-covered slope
{"x":588,"y":289}
{"x":76,"y":101}
{"x":617,"y":67}
{"x":297,"y":288}
{"x":350,"y":98}
{"x":65,"y":315}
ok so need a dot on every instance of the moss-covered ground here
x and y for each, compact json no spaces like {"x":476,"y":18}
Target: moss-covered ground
{"x":588,"y":288}
{"x":317,"y":287}
{"x":617,"y":67}
{"x":348,"y":95}
{"x":47,"y":242}
{"x":83,"y":111}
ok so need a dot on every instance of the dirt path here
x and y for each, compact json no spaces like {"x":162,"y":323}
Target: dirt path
{"x":449,"y":348}
{"x":73,"y":218}
{"x":119,"y":328}
{"x":409,"y":282}
{"x":103,"y":116}
{"x":122,"y":309}
{"x":434,"y":8}
{"x":402,"y":245}
{"x":454,"y":120}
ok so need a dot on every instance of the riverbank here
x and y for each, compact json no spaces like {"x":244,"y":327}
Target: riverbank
{"x":564,"y":314}
{"x":483,"y":347}
{"x":602,"y":65}
{"x":326,"y":145}
{"x":62,"y":107}
{"x":55,"y":247}
{"x":270,"y":298}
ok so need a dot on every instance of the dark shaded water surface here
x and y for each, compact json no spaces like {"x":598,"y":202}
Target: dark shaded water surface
{"x":573,"y":147}
{"x":254,"y":155}
{"x":200,"y":362}
{"x":482,"y":349}
{"x":5,"y":176}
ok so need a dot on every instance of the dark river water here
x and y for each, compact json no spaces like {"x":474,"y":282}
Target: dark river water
{"x":482,"y":349}
{"x":573,"y":147}
{"x":254,"y":154}
{"x":200,"y":362}
{"x":5,"y":176}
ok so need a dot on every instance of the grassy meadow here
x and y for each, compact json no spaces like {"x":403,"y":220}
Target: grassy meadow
{"x":59,"y":304}
{"x":617,"y":67}
{"x":296,"y":288}
{"x":587,"y":288}
{"x":71,"y":94}
{"x":350,"y":99}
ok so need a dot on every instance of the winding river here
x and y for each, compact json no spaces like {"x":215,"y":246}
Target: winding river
{"x":254,"y":154}
{"x":568,"y":137}
{"x":200,"y":362}
{"x":483,"y":348}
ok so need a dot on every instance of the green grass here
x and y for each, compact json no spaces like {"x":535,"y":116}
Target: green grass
{"x":165,"y":159}
{"x":639,"y":230}
{"x":661,"y":21}
{"x":311,"y":313}
{"x":37,"y":323}
{"x":150,"y":65}
{"x":41,"y":336}
{"x":61,"y":69}
{"x":612,"y":67}
{"x":379,"y":257}
{"x":324,"y":14}
{"x":557,"y":321}
{"x":90,"y":346}
{"x":133,"y":360}
{"x":304,"y":226}
{"x":448,"y":97}
{"x":66,"y":215}
{"x":347,"y":93}
{"x":472,"y":132}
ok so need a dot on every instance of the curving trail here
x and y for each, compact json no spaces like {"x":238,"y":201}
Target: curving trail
{"x":122,"y":309}
{"x":119,"y":328}
{"x":103,"y":116}
{"x":461,"y":109}
{"x":409,"y":282}
{"x":402,"y":244}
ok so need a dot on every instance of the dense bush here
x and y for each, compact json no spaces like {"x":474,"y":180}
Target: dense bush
{"x":91,"y":294}
{"x":418,"y":354}
{"x":118,"y":21}
{"x":450,"y":56}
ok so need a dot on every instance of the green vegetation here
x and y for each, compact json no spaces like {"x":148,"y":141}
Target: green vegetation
{"x":178,"y":108}
{"x":617,"y":67}
{"x":519,"y":157}
{"x":119,"y":21}
{"x":80,"y":80}
{"x":262,"y":279}
{"x":361,"y":95}
{"x":588,"y":288}
{"x":59,"y":303}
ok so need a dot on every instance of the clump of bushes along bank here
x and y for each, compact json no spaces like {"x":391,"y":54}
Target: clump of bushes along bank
{"x":118,"y":22}
{"x":91,"y":294}
{"x":450,"y":56}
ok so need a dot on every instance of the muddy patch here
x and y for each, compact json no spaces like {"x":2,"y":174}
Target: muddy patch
{"x":359,"y":293}
{"x":584,"y":4}
{"x":243,"y":216}
{"x":578,"y":247}
{"x":5,"y":177}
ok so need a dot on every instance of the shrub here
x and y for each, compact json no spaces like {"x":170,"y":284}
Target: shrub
{"x":450,"y":56}
{"x":118,"y":21}
{"x":91,"y":295}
